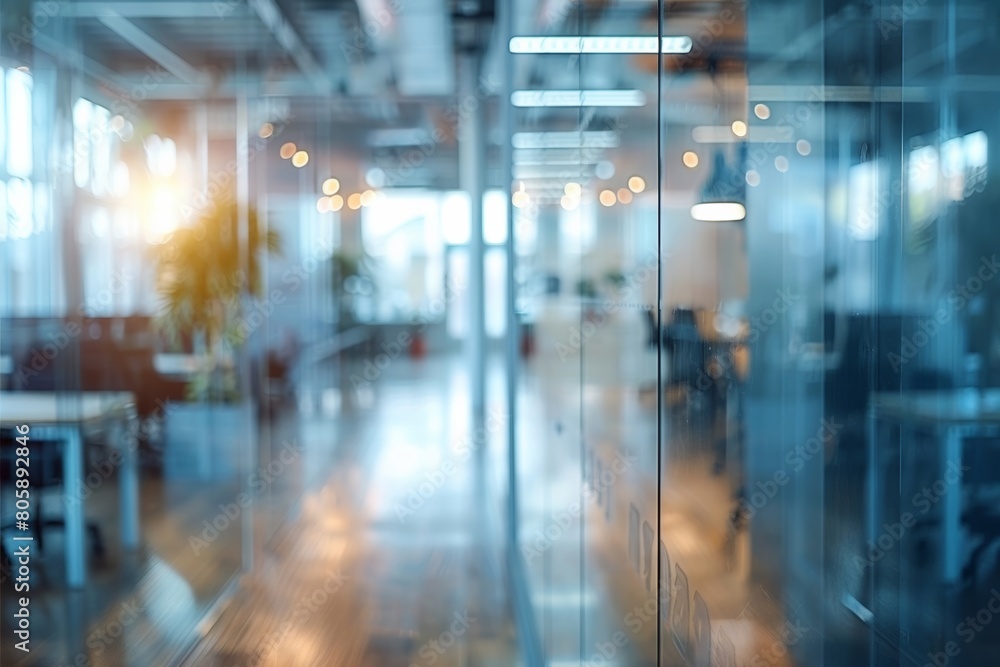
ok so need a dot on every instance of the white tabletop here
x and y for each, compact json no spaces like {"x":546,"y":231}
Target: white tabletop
{"x":177,"y":364}
{"x":49,"y":407}
{"x":954,"y":406}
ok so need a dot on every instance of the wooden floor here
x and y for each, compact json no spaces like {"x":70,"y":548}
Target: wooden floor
{"x":353,"y":580}
{"x":337,"y":579}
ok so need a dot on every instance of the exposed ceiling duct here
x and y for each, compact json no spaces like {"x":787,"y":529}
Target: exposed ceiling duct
{"x":425,"y":61}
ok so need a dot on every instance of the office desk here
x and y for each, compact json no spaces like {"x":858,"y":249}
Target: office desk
{"x":951,"y":416}
{"x":179,"y":365}
{"x":61,"y":416}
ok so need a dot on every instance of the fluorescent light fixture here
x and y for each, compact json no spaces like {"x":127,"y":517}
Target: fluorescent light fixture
{"x":553,"y":186}
{"x":718,"y":211}
{"x":402,"y":136}
{"x":578,"y":98}
{"x":557,"y":156}
{"x":585,"y":139}
{"x":521,"y":171}
{"x":724,"y":134}
{"x":600,"y":44}
{"x":567,"y":162}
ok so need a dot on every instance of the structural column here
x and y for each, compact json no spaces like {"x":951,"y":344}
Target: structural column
{"x":472,"y":168}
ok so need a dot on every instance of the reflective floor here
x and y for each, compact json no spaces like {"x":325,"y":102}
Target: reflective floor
{"x":596,"y":581}
{"x":388,"y":559}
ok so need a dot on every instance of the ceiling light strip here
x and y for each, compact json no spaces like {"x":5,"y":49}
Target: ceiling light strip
{"x":584,"y":139}
{"x":578,"y":98}
{"x":599,"y":44}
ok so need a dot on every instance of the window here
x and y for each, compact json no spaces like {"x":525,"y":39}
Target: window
{"x":402,"y":231}
{"x":96,"y":146}
{"x":18,"y":111}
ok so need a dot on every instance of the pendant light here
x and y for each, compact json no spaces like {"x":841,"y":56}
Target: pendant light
{"x":723,"y":196}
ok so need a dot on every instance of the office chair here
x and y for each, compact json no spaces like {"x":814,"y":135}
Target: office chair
{"x":45,"y":472}
{"x":981,"y":515}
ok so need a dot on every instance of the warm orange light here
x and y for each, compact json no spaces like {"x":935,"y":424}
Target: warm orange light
{"x":367,"y":197}
{"x":607,"y":197}
{"x":331,"y":186}
{"x":336,"y":203}
{"x":354,"y":201}
{"x":690,"y":159}
{"x":266,"y":130}
{"x":300,"y":159}
{"x":739,"y":128}
{"x":323,"y":204}
{"x":624,"y":195}
{"x":287,"y":150}
{"x":636,"y":184}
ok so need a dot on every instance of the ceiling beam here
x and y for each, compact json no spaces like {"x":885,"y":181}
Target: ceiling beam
{"x":156,"y":51}
{"x":288,"y":37}
{"x":152,"y":9}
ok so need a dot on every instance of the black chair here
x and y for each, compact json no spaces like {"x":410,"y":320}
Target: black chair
{"x":44,"y":472}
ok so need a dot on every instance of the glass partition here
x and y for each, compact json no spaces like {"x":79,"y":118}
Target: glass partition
{"x":755,"y":275}
{"x":123,"y":383}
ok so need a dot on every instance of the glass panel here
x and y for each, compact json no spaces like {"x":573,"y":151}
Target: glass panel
{"x":812,"y":209}
{"x":3,"y":119}
{"x":83,"y":111}
{"x":19,"y":123}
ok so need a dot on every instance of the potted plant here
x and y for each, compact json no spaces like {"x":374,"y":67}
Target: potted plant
{"x":352,"y":283}
{"x":206,"y":284}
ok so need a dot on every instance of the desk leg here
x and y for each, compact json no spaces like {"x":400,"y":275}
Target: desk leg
{"x":76,"y":552}
{"x":871,"y":523}
{"x":952,"y":508}
{"x":128,"y":491}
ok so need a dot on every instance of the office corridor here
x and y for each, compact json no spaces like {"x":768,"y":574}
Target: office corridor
{"x":362,"y":574}
{"x":499,"y":333}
